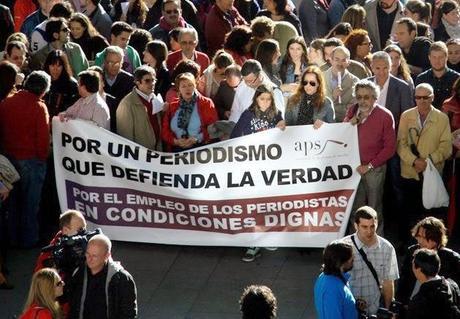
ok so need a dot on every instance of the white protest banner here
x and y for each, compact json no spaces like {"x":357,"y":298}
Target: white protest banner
{"x":274,"y":188}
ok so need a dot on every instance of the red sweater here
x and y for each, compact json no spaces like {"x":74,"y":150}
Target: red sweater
{"x":376,"y":136}
{"x":206,"y":110}
{"x":24,"y":127}
{"x":176,"y":56}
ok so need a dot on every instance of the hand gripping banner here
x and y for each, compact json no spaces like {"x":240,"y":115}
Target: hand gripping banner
{"x":291,"y":188}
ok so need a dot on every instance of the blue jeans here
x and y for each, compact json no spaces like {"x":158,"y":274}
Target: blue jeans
{"x":24,"y":202}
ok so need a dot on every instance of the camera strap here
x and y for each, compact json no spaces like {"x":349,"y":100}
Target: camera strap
{"x":368,"y":263}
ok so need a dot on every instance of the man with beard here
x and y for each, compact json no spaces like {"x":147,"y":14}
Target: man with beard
{"x":333,"y":298}
{"x":375,"y":267}
{"x":57,"y":30}
{"x":381,"y":16}
{"x":440,"y":77}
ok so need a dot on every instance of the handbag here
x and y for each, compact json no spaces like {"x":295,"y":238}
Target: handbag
{"x":434,"y":193}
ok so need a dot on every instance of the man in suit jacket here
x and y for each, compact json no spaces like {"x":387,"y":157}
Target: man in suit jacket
{"x":188,"y":41}
{"x":381,"y":16}
{"x":340,"y":90}
{"x":116,"y":81}
{"x":396,"y":96}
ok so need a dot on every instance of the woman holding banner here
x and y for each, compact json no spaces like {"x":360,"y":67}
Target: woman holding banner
{"x":261,"y":115}
{"x":309,"y":104}
{"x":185,"y":124}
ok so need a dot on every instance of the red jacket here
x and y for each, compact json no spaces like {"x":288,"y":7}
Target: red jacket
{"x":218,"y":25}
{"x":36,"y":312}
{"x":44,"y":256}
{"x":176,"y":56}
{"x":451,"y":107}
{"x":206,"y":110}
{"x":24,"y":127}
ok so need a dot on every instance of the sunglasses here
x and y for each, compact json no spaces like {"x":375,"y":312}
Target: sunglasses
{"x":425,"y":97}
{"x":312,"y":83}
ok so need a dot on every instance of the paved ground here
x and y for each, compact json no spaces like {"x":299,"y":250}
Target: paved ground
{"x":178,"y":282}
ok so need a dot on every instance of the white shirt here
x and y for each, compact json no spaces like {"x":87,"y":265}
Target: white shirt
{"x":244,"y":95}
{"x":382,"y":100}
{"x":91,"y":108}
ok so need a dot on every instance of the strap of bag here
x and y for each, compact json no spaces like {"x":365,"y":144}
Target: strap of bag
{"x":368,"y":263}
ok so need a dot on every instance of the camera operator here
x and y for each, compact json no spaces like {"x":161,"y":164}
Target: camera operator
{"x":430,"y":233}
{"x":71,"y":222}
{"x":437,"y":296}
{"x":333,"y":297}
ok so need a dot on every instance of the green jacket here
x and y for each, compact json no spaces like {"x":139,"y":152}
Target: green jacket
{"x":133,"y":57}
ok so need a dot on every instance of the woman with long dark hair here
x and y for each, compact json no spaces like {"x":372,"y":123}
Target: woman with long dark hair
{"x":133,"y":12}
{"x":85,"y":34}
{"x":293,"y":63}
{"x":399,"y":67}
{"x":278,"y":10}
{"x":155,"y":55}
{"x":64,"y":88}
{"x":260,"y":116}
{"x":268,"y":54}
{"x":41,"y":302}
{"x":309,"y":104}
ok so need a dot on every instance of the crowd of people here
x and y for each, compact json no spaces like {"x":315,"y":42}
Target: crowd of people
{"x":172,"y":75}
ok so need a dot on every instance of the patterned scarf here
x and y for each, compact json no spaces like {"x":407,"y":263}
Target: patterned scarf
{"x":185,"y":112}
{"x":305,"y":116}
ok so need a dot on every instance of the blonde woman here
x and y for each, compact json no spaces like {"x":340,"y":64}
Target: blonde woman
{"x":41,"y":302}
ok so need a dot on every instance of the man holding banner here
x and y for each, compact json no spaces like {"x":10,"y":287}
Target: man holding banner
{"x":377,"y":144}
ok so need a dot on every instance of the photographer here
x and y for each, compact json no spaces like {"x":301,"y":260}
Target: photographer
{"x":333,"y":297}
{"x":437,"y":296}
{"x":71,"y":222}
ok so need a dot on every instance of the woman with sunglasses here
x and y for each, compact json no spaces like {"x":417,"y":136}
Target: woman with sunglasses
{"x":41,"y":302}
{"x":309,"y":104}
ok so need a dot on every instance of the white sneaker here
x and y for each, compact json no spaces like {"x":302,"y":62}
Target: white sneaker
{"x":251,"y":254}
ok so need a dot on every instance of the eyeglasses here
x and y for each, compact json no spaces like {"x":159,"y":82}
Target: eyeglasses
{"x":187,"y":42}
{"x":60,"y":283}
{"x":312,"y":83}
{"x":175,"y":11}
{"x":424,"y":97}
{"x":363,"y":97}
{"x":112,"y":63}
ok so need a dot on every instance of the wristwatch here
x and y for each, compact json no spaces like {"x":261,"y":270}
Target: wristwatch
{"x":370,"y":167}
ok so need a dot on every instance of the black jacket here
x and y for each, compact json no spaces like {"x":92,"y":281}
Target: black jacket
{"x":121,"y":293}
{"x":450,"y":268}
{"x":435,"y":299}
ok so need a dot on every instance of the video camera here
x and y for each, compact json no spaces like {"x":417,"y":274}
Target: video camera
{"x":69,"y":251}
{"x":383,"y":313}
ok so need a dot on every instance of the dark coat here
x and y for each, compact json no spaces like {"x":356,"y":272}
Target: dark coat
{"x":450,"y":268}
{"x":435,"y":299}
{"x":121,"y":293}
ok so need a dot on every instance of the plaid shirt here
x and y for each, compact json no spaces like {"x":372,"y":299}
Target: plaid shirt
{"x":362,"y":283}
